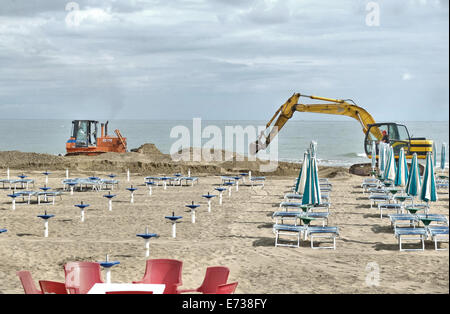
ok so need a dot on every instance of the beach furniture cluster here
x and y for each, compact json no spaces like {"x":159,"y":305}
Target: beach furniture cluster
{"x":93,"y":183}
{"x":396,"y":188}
{"x":161,"y":276}
{"x":307,"y":204}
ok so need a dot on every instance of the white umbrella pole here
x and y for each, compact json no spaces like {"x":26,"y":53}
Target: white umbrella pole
{"x":82,"y":215}
{"x":110,"y":205}
{"x":132,"y":198}
{"x":128,"y":175}
{"x":220,"y":198}
{"x":209,"y":206}
{"x":108,"y":275}
{"x":14,"y":204}
{"x":46,"y":180}
{"x":249,"y":175}
{"x":237,"y":185}
{"x":46,"y":229}
{"x":165,"y":185}
{"x":147,"y":247}
{"x":193,"y":216}
{"x":189,"y":172}
{"x":229,"y":191}
{"x":71,"y":190}
{"x":174,"y":230}
{"x":150,"y":190}
{"x":67,"y":173}
{"x":7,"y":173}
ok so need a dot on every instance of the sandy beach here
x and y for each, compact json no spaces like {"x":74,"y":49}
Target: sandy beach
{"x":237,"y":234}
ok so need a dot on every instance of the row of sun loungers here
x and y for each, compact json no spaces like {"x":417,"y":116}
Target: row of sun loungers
{"x":173,"y":180}
{"x":24,"y":183}
{"x":407,"y":223}
{"x":302,"y":216}
{"x":94,"y":183}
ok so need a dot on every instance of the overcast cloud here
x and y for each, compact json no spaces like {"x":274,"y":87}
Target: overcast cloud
{"x":220,"y":59}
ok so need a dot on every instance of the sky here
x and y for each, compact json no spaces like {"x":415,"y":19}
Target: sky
{"x":221,"y":59}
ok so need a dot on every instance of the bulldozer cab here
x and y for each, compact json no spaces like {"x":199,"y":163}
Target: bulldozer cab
{"x":397,"y":133}
{"x":85,"y":132}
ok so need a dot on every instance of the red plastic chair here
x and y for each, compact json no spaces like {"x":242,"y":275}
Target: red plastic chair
{"x":27,"y":282}
{"x":81,"y":276}
{"x":53,"y":287}
{"x":129,"y":292}
{"x":163,"y":271}
{"x":214,"y":277}
{"x":228,"y":288}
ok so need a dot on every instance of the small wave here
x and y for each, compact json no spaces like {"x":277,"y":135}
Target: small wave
{"x":353,"y":155}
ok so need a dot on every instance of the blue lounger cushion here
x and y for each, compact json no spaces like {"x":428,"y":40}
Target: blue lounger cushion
{"x":437,"y":230}
{"x":292,"y":228}
{"x":313,"y":230}
{"x":410,"y":231}
{"x":434,"y":217}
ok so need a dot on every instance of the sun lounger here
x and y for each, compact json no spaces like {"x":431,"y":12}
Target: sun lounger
{"x":434,"y":218}
{"x":46,"y":195}
{"x":377,"y":190}
{"x":104,"y":183}
{"x":442,"y":186}
{"x":192,"y":180}
{"x":389,"y":206}
{"x":282,"y":215}
{"x":400,"y":219}
{"x":438,"y":234}
{"x":296,"y":196}
{"x":288,"y":230}
{"x":377,"y":198}
{"x":27,"y":194}
{"x":323,"y":233}
{"x":411,"y":234}
{"x":257,"y":181}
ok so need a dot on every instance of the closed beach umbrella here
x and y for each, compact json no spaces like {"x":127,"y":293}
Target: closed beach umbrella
{"x":434,"y":155}
{"x":300,"y":186}
{"x":389,"y":172}
{"x":382,"y":162}
{"x":428,"y":191}
{"x":413,"y":184}
{"x":374,"y":155}
{"x":443,"y":156}
{"x":402,"y":170}
{"x":313,"y":148}
{"x":311,"y":194}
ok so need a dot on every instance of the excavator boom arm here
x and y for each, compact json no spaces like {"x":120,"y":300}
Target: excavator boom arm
{"x":334,"y":106}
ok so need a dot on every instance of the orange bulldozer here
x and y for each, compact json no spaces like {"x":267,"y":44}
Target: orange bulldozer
{"x":84,"y":139}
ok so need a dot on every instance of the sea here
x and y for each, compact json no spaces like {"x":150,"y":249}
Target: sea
{"x":339,"y":143}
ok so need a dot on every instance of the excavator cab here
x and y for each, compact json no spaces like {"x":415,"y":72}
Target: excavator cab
{"x":85,"y":132}
{"x":398,"y":137}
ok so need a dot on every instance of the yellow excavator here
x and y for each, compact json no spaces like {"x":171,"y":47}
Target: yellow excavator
{"x":397,"y":133}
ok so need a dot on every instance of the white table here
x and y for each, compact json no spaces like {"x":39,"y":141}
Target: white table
{"x":101,"y":288}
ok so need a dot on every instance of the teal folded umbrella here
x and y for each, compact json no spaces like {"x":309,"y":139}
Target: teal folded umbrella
{"x":413,"y":185}
{"x":401,"y":176}
{"x":428,"y":191}
{"x":374,"y":155}
{"x":300,"y":184}
{"x":443,"y":157}
{"x":389,"y":172}
{"x":311,"y":193}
